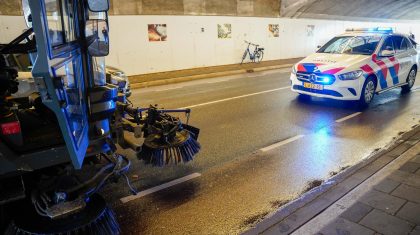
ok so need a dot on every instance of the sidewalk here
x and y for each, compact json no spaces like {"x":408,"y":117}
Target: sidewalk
{"x":378,"y":196}
{"x":164,"y":78}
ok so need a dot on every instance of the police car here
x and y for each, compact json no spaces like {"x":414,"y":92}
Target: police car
{"x":357,"y":65}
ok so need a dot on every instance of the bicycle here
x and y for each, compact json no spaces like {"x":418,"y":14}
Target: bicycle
{"x":256,"y":56}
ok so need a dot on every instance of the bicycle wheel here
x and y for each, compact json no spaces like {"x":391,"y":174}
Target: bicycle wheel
{"x":243,"y":57}
{"x":258,"y":56}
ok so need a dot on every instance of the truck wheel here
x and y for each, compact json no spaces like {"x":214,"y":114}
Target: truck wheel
{"x":368,"y":92}
{"x":411,"y":79}
{"x":95,"y":218}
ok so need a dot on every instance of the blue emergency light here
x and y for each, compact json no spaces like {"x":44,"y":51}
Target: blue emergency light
{"x":325,"y":80}
{"x":372,"y":30}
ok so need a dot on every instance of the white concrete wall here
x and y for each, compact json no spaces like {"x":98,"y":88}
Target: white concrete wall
{"x":188,"y":47}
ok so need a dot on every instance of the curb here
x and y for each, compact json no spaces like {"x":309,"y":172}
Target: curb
{"x":395,"y":148}
{"x":207,"y":75}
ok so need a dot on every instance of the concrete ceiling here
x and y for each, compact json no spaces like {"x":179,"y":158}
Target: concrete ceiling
{"x":352,"y":9}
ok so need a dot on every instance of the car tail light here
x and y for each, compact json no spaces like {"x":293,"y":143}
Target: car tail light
{"x":10,"y":128}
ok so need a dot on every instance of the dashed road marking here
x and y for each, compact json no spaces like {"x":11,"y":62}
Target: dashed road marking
{"x":348,"y":117}
{"x":236,"y":97}
{"x":220,"y":80}
{"x":281,"y":143}
{"x":160,"y":187}
{"x":167,"y":89}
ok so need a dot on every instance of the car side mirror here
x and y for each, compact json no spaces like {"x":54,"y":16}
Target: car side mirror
{"x":97,"y":37}
{"x":386,"y":53}
{"x":98,"y":5}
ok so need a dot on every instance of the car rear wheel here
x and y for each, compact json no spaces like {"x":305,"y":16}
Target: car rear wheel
{"x":368,"y":92}
{"x":411,"y":79}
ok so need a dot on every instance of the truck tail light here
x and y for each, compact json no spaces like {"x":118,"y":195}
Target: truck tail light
{"x":10,"y":128}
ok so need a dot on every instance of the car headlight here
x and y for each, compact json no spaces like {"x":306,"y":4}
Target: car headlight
{"x":351,"y":75}
{"x":294,"y":70}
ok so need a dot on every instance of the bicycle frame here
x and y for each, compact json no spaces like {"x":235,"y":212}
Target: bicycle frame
{"x":252,"y":55}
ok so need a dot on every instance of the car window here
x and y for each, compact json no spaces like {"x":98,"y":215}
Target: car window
{"x":362,"y":45}
{"x":400,"y":44}
{"x":407,"y":42}
{"x":404,"y":45}
{"x":387,"y":45}
{"x":335,"y":45}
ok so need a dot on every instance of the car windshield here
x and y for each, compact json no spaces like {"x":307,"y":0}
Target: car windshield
{"x":360,"y":45}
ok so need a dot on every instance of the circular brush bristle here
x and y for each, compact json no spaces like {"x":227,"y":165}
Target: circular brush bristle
{"x":97,"y":219}
{"x":164,"y":155}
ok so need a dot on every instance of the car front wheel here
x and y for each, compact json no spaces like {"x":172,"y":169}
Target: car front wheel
{"x":368,"y":92}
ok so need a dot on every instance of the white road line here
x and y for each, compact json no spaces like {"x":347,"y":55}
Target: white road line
{"x":216,"y":80}
{"x":167,"y":89}
{"x":347,"y":117}
{"x":159,"y":187}
{"x":281,"y":143}
{"x":234,"y":98}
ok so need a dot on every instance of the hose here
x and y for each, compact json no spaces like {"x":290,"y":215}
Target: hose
{"x":118,"y":170}
{"x":99,"y":173}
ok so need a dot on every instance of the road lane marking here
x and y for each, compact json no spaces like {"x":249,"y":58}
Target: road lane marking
{"x":167,"y":89}
{"x":281,"y":143}
{"x":236,"y":97}
{"x":219,"y":80}
{"x":348,"y":117}
{"x":159,"y":187}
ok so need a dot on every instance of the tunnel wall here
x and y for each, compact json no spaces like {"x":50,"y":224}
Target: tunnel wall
{"x":188,"y":47}
{"x":193,"y":41}
{"x":266,"y":8}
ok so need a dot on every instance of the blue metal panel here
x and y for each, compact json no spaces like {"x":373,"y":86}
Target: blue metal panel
{"x":58,"y":94}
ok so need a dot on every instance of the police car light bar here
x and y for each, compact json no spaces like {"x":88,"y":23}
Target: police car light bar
{"x":374,"y":30}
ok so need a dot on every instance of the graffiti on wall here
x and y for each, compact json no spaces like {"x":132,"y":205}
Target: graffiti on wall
{"x":224,"y":31}
{"x":157,"y":32}
{"x":273,"y":30}
{"x":310,"y":30}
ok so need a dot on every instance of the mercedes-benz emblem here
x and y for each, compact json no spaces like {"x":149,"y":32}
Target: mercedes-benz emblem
{"x":312,"y":78}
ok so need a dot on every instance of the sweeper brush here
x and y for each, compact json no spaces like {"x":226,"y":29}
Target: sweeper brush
{"x":96,"y":219}
{"x":167,"y":140}
{"x":182,"y":148}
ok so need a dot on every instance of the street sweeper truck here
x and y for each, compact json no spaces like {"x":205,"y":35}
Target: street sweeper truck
{"x":58,"y":143}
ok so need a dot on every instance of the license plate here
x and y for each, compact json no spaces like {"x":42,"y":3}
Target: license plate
{"x":313,"y":86}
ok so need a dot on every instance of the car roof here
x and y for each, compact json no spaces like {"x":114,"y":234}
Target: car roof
{"x":381,"y":34}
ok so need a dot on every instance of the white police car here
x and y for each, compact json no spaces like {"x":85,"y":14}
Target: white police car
{"x":358,"y":64}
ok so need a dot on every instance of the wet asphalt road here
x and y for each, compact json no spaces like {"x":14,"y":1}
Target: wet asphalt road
{"x":239,"y":184}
